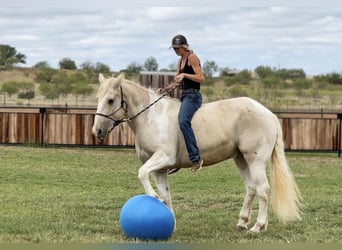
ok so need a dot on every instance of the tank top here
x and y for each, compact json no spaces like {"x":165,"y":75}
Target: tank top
{"x":187,"y":83}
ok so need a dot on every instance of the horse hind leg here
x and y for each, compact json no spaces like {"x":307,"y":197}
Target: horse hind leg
{"x":259,"y":180}
{"x":254,"y":175}
{"x":245,"y":212}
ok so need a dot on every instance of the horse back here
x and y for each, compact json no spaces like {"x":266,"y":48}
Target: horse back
{"x":225,"y":127}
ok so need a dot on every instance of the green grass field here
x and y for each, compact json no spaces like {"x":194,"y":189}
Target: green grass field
{"x":75,"y":195}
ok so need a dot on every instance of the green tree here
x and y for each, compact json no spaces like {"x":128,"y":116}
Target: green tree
{"x":81,"y":89}
{"x":9,"y":56}
{"x":62,"y":83}
{"x":151,"y":64}
{"x":209,"y":68}
{"x":42,"y":65}
{"x":45,"y":75}
{"x":93,"y":70}
{"x":79,"y":85}
{"x":10,"y":88}
{"x":264,"y":72}
{"x":49,"y":91}
{"x":271,"y":82}
{"x":27,"y":95}
{"x":290,"y":73}
{"x":227,"y":71}
{"x":67,"y":63}
{"x":134,"y":68}
{"x":333,"y":78}
{"x":243,"y":77}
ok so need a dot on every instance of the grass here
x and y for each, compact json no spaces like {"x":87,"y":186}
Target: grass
{"x":73,"y":195}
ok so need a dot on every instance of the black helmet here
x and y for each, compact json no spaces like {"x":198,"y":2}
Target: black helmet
{"x":179,"y":41}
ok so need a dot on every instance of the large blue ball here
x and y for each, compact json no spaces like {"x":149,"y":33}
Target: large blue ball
{"x":146,"y":218}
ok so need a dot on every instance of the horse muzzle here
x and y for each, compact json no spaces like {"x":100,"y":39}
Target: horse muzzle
{"x":99,"y":133}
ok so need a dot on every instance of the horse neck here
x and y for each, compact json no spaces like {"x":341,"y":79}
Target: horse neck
{"x":136,"y":97}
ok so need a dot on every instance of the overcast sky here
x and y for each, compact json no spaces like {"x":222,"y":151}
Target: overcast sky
{"x":302,"y":34}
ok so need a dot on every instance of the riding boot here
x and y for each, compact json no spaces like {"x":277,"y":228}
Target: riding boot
{"x":197,"y":165}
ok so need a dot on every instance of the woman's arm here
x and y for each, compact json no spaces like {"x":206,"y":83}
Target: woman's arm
{"x":195,"y":64}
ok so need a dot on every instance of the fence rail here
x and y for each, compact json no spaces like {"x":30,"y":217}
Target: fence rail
{"x":73,"y":127}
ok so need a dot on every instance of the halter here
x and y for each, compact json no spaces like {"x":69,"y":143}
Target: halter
{"x":124,"y":106}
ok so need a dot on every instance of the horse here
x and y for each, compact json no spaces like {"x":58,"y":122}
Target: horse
{"x":239,"y":128}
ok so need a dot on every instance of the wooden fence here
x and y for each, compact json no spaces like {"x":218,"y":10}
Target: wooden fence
{"x":72,"y":126}
{"x":53,"y":126}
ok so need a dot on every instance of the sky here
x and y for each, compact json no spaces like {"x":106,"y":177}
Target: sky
{"x":244,"y":35}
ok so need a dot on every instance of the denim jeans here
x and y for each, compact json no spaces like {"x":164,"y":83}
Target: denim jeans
{"x":191,"y":101}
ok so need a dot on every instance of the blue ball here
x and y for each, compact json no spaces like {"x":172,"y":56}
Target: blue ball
{"x":146,"y":218}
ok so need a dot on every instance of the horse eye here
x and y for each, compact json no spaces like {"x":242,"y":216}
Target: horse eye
{"x":110,"y":101}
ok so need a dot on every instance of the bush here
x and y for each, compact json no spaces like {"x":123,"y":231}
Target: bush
{"x":302,"y":84}
{"x":45,"y":75}
{"x":26,"y":95}
{"x":271,"y":82}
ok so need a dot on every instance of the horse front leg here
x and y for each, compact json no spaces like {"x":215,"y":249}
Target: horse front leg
{"x":158,"y":161}
{"x":160,"y":178}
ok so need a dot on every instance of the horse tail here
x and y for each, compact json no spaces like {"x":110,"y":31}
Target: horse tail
{"x":285,"y":195}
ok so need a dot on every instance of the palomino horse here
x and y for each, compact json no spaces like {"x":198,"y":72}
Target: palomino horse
{"x":238,"y":128}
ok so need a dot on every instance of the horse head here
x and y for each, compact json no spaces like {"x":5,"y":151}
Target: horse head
{"x":111,"y":106}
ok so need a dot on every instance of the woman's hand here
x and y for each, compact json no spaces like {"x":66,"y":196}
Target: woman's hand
{"x":180,"y":77}
{"x":172,"y":85}
{"x":160,"y":91}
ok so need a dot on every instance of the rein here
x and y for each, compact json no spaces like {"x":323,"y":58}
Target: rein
{"x":124,"y":106}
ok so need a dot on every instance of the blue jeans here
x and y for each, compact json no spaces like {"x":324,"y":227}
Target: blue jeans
{"x":191,"y":101}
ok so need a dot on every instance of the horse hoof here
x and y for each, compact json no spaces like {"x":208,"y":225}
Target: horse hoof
{"x":163,"y":201}
{"x":257,"y":228}
{"x":242,"y":224}
{"x":241,"y":229}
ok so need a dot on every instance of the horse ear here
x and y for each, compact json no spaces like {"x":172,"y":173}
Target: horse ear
{"x":101,"y":78}
{"x":121,"y":76}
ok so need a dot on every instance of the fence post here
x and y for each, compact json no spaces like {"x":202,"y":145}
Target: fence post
{"x":41,"y":125}
{"x":339,"y":116}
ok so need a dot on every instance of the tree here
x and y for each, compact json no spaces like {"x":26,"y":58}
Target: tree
{"x":9,"y":56}
{"x":81,"y":89}
{"x":173,"y":66}
{"x":10,"y":88}
{"x":27,"y":95}
{"x":79,"y":83}
{"x":134,"y":68}
{"x":264,"y":71}
{"x":93,"y":70}
{"x":67,"y":63}
{"x":290,"y":73}
{"x":151,"y":64}
{"x":62,"y":83}
{"x":27,"y":91}
{"x":209,"y":68}
{"x":227,"y":71}
{"x":45,"y":75}
{"x":42,"y":65}
{"x":49,"y":91}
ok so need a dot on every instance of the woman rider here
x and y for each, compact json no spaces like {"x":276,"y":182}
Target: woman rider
{"x":189,"y":77}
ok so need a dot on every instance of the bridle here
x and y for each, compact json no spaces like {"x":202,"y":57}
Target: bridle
{"x":124,"y":106}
